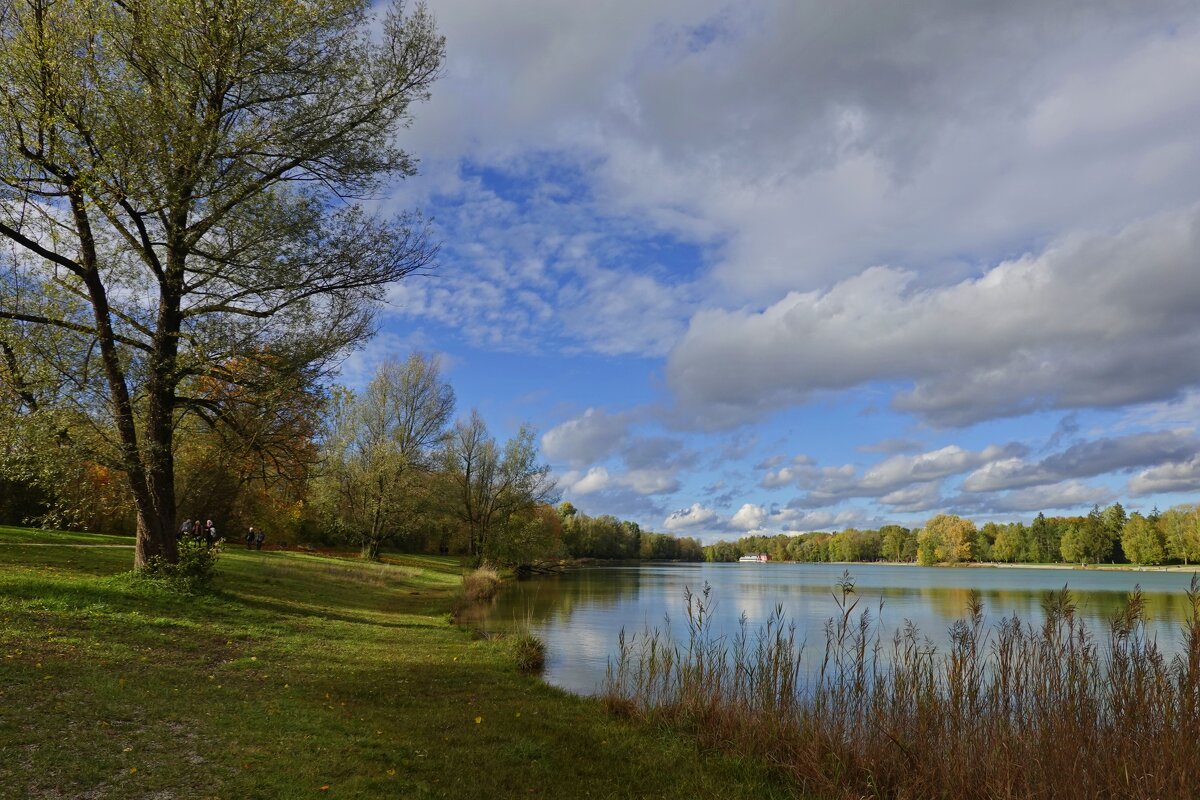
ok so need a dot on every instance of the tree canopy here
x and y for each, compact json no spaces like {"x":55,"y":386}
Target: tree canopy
{"x":181,"y":185}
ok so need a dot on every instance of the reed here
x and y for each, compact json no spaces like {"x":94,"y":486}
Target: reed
{"x":481,"y":584}
{"x":1010,"y":711}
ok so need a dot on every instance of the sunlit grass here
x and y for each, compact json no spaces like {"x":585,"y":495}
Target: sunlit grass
{"x":297,"y":672}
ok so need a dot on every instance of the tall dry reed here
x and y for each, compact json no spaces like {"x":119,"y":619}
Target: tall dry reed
{"x":1015,"y":711}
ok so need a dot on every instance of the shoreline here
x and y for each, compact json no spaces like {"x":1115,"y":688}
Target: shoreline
{"x":1005,"y":565}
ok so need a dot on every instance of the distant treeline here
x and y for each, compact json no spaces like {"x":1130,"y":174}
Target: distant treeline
{"x":610,"y":538}
{"x":1108,"y":535}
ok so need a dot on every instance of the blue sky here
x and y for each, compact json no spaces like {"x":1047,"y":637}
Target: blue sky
{"x":786,"y":266}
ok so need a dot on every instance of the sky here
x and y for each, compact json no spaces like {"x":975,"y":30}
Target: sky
{"x":764,"y":267}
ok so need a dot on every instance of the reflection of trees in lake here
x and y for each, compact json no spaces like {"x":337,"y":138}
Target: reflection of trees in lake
{"x":555,"y":597}
{"x":580,"y":614}
{"x":636,"y":596}
{"x":943,"y":605}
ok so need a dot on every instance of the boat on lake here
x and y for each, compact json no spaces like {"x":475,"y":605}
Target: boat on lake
{"x":757,"y":558}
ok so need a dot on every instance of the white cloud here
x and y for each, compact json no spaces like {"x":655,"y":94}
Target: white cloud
{"x":856,"y":187}
{"x":1181,"y":476}
{"x":1076,"y":326}
{"x":915,"y":498}
{"x":587,"y":438}
{"x":908,"y":482}
{"x":693,"y":516}
{"x":801,"y":468}
{"x":1058,"y":496}
{"x":797,"y":142}
{"x":899,"y":471}
{"x":1085,"y":460}
{"x":599,"y":479}
{"x":749,"y":517}
{"x":594,"y":480}
{"x":792,"y":520}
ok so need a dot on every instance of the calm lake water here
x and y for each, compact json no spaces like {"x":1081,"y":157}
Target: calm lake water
{"x":580,"y":614}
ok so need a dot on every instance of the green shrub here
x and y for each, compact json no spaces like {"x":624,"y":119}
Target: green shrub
{"x":192,"y":573}
{"x":529,"y":652}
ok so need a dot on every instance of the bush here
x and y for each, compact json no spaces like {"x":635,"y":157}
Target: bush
{"x":192,"y":573}
{"x":529,"y":652}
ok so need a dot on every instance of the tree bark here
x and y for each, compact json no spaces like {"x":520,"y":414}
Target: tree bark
{"x":155,"y":523}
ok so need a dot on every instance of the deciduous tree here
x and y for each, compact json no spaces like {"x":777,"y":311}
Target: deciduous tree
{"x":1142,"y":541}
{"x":493,"y":486}
{"x":948,"y":539}
{"x":380,"y":447}
{"x":179,"y":181}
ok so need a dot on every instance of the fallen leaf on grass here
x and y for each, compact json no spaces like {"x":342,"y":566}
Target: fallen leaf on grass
{"x":478,"y":720}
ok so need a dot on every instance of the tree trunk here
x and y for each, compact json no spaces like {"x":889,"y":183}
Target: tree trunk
{"x":153,"y":489}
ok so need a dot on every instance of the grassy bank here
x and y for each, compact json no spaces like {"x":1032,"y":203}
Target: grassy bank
{"x":300,"y":676}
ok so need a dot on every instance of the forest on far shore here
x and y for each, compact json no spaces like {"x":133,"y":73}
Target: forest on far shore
{"x":1103,"y":536}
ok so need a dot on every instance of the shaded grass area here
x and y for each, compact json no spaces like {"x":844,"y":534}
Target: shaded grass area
{"x":1016,"y":711}
{"x":300,"y":676}
{"x":10,"y":535}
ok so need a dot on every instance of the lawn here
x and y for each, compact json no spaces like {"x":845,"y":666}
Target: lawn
{"x":298,"y":676}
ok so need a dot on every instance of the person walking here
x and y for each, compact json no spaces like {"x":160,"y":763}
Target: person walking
{"x":198,"y":530}
{"x":210,"y":534}
{"x":250,"y":538}
{"x":259,"y":536}
{"x":185,"y":529}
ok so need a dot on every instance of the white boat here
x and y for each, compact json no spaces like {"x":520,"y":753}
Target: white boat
{"x":756,"y":558}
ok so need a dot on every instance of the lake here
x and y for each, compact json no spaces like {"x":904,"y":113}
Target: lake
{"x":579,"y":614}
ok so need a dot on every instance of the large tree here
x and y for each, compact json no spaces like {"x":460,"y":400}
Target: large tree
{"x":947,"y":539}
{"x":180,"y":187}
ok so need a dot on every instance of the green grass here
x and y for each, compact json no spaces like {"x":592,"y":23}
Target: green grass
{"x":297,"y":673}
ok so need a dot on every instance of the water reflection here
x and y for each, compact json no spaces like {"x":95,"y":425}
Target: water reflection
{"x":580,"y":614}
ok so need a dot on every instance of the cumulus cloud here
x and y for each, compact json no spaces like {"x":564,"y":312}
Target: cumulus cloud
{"x":1058,"y":496}
{"x":791,"y":200}
{"x":797,"y":141}
{"x":1092,"y":321}
{"x":907,"y":482}
{"x":530,"y":265}
{"x":792,"y":519}
{"x":694,"y":516}
{"x":801,"y":467}
{"x":594,"y":480}
{"x":599,"y":479}
{"x":913,"y":499}
{"x":588,"y":438}
{"x":749,"y":517}
{"x":1180,"y":476}
{"x":1085,"y":460}
{"x":762,"y":520}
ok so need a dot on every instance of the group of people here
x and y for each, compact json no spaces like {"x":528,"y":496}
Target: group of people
{"x":200,"y":531}
{"x":207,"y":532}
{"x":254,"y":538}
